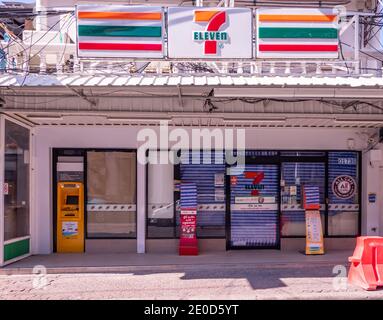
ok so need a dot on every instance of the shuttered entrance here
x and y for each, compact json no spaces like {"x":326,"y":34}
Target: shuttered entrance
{"x":254,"y":207}
{"x":207,"y":171}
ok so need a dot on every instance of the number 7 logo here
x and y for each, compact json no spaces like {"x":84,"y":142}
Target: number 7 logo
{"x":214,"y":19}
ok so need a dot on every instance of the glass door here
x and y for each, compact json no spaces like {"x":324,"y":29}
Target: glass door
{"x":254,"y":207}
{"x":14,"y":178}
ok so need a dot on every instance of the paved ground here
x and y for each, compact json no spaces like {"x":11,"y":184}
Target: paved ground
{"x":85,"y":262}
{"x":241,"y":281}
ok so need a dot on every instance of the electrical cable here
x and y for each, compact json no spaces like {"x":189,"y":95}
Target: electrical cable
{"x":32,"y":44}
{"x":31,"y":37}
{"x":36,"y":54}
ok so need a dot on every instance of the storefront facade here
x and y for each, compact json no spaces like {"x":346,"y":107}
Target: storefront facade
{"x":133,"y":207}
{"x":261,"y":205}
{"x":100,"y":117}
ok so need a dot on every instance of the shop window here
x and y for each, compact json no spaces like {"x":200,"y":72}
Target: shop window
{"x":160,"y":211}
{"x":111,"y":194}
{"x":293,"y":176}
{"x":343,"y":190}
{"x":16,"y":181}
{"x":209,"y":176}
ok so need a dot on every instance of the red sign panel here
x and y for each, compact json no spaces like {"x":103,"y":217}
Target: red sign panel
{"x":188,"y":237}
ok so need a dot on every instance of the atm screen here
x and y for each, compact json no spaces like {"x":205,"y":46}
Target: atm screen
{"x":71,"y":200}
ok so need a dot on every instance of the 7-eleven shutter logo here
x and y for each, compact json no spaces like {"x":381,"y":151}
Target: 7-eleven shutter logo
{"x":212,"y":35}
{"x":256,"y":186}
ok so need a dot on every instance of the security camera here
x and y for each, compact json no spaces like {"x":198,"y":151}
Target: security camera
{"x":371,"y":140}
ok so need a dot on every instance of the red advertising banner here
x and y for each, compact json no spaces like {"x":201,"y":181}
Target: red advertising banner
{"x":188,"y":237}
{"x":188,"y":226}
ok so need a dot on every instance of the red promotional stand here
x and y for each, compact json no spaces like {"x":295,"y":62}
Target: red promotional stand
{"x":188,"y":238}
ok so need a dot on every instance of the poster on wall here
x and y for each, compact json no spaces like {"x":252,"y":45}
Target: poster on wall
{"x":344,"y":187}
{"x":219,"y":180}
{"x":188,"y":226}
{"x":109,"y":31}
{"x":297,"y":33}
{"x":6,"y":188}
{"x":195,"y":32}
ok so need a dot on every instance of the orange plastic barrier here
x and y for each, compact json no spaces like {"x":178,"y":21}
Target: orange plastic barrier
{"x":366,"y":268}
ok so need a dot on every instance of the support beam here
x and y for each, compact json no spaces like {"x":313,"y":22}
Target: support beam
{"x":356,"y":45}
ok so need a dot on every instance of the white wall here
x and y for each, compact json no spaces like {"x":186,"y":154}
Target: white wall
{"x":125,"y":137}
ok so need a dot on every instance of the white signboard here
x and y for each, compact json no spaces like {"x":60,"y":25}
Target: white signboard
{"x":254,"y":207}
{"x":193,"y":212}
{"x":111,"y":31}
{"x":254,"y":199}
{"x":297,"y":33}
{"x":195,"y":32}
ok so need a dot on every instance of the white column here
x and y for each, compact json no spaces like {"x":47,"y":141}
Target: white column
{"x":41,"y":20}
{"x":370,"y":184}
{"x":43,"y":190}
{"x":43,"y":63}
{"x":141,"y":207}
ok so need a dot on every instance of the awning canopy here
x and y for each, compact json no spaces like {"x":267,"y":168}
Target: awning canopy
{"x":145,"y":80}
{"x":194,"y":100}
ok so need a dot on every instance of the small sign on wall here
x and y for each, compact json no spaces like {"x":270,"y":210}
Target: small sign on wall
{"x":6,"y":188}
{"x":371,"y":197}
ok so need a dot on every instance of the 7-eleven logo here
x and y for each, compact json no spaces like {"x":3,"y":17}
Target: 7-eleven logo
{"x":256,"y":186}
{"x":215,"y":20}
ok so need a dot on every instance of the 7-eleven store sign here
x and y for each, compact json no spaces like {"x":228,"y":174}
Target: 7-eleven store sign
{"x":214,"y":20}
{"x":209,"y":32}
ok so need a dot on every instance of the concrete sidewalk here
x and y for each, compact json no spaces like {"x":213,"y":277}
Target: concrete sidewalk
{"x":96,"y":263}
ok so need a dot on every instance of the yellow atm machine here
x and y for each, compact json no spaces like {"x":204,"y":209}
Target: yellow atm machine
{"x":70,"y":217}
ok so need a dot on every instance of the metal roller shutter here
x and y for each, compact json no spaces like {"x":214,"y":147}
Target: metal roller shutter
{"x":210,"y":196}
{"x":307,"y":173}
{"x":260,"y":227}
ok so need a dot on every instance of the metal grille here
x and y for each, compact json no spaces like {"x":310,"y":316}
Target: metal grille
{"x":197,"y":168}
{"x":255,"y":227}
{"x":303,"y":173}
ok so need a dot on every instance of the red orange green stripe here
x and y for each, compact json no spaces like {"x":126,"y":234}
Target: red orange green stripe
{"x":120,"y":15}
{"x":297,"y":18}
{"x":120,"y":46}
{"x":119,"y":31}
{"x":294,"y":33}
{"x":299,"y":47}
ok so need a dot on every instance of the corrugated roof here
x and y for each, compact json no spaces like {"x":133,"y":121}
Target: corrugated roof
{"x":100,"y":80}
